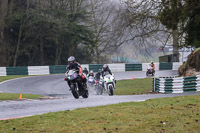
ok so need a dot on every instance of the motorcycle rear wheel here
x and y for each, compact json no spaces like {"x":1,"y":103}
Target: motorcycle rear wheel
{"x":86,"y":94}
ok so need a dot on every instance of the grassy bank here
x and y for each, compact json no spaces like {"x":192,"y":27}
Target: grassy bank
{"x":3,"y":78}
{"x":135,"y":86}
{"x":12,"y":96}
{"x":179,"y":114}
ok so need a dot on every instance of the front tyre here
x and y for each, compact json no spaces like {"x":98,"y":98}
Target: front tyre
{"x":147,"y":73}
{"x":110,"y":90}
{"x":99,"y":90}
{"x":74,"y":91}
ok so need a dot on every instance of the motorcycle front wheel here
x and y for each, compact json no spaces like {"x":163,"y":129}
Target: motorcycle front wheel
{"x":74,"y":91}
{"x":110,"y":90}
{"x":99,"y":90}
{"x":147,"y":73}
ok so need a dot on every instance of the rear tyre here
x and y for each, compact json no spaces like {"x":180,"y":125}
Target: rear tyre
{"x":74,"y":92}
{"x":86,"y":94}
{"x":153,"y":73}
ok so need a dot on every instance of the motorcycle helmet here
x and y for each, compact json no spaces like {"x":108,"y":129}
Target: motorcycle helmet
{"x":151,"y":62}
{"x":105,"y":66}
{"x":71,"y":59}
{"x":91,"y":71}
{"x":99,"y":71}
{"x":85,"y":68}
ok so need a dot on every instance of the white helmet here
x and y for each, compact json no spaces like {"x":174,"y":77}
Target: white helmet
{"x":91,"y":71}
{"x":71,"y":59}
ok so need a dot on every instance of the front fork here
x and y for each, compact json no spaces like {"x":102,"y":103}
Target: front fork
{"x":75,"y":85}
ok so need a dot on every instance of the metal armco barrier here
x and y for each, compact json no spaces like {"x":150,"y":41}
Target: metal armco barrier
{"x":176,"y":85}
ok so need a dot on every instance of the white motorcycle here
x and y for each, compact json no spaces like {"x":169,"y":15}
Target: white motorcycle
{"x":109,"y":84}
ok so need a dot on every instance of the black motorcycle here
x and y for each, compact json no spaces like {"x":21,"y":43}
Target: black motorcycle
{"x":77,"y":87}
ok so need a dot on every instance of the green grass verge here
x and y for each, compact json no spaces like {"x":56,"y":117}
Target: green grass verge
{"x":3,"y":78}
{"x":178,"y":114}
{"x":135,"y":86}
{"x":13,"y":96}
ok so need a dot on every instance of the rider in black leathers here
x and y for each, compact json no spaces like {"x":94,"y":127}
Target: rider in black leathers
{"x":77,"y":67}
{"x":98,"y":75}
{"x":85,"y":71}
{"x":106,"y":69}
{"x":91,"y":73}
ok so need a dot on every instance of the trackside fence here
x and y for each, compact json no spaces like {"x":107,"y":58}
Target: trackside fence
{"x":59,"y":69}
{"x":176,"y":85}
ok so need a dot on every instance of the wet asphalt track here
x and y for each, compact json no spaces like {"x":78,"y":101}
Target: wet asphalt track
{"x":54,"y":85}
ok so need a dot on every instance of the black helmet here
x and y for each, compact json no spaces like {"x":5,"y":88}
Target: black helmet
{"x":71,"y":59}
{"x":85,"y":68}
{"x":99,"y":71}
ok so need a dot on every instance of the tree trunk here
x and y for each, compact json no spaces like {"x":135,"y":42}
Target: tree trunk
{"x":175,"y":46}
{"x":71,"y":48}
{"x":18,"y":44}
{"x":27,"y":4}
{"x":97,"y":56}
{"x":41,"y":52}
{"x":10,"y":10}
{"x":3,"y":13}
{"x":58,"y":52}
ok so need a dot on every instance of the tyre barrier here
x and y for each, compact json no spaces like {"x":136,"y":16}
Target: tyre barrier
{"x":176,"y":84}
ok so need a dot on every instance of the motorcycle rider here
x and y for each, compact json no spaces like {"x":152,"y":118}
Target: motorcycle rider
{"x":98,"y":75}
{"x":85,"y":71}
{"x":153,"y":66}
{"x":106,"y":69}
{"x":72,"y":64}
{"x":91,"y":73}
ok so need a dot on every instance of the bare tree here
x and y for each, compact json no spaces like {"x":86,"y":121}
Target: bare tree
{"x":105,"y":22}
{"x":143,"y":24}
